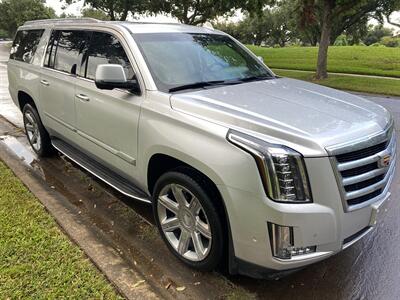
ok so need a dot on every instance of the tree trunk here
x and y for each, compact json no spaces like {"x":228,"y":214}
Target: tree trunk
{"x":322,"y":62}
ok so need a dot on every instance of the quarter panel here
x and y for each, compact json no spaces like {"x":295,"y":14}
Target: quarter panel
{"x":24,"y":77}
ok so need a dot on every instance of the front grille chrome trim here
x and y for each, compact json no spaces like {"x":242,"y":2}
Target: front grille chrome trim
{"x":363,"y":181}
{"x":363,"y":177}
{"x":373,"y":187}
{"x":366,"y":160}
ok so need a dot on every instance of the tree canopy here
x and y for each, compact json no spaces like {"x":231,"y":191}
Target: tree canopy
{"x":196,"y":12}
{"x":14,"y":13}
{"x":90,"y":12}
{"x":116,"y":10}
{"x":333,"y":17}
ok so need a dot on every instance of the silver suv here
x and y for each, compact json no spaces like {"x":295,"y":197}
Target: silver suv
{"x":242,"y":167}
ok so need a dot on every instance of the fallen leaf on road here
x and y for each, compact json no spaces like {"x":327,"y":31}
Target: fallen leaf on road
{"x":139,"y":283}
{"x":168,"y":285}
{"x":197,"y":283}
{"x":181,"y":288}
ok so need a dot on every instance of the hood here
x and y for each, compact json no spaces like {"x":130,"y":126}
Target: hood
{"x":301,"y":115}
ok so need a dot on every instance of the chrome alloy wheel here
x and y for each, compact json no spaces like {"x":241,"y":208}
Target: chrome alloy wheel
{"x":32,"y":130}
{"x":184,"y":222}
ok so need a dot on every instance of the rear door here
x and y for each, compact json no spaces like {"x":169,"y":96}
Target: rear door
{"x":107,"y":121}
{"x":57,"y":84}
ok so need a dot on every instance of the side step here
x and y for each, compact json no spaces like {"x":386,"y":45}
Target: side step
{"x":105,"y":174}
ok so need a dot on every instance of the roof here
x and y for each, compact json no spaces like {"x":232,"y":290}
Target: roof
{"x":134,"y":27}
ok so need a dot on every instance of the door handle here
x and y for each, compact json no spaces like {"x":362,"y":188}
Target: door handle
{"x":82,"y":97}
{"x":44,"y":82}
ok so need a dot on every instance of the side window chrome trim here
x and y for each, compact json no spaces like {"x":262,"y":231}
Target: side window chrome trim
{"x":119,"y":36}
{"x":58,"y":71}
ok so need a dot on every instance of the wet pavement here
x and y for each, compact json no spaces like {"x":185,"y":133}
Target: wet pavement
{"x":126,"y":225}
{"x":368,"y":270}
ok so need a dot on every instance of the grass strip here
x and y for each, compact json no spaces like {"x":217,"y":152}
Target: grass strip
{"x":37,"y":261}
{"x":379,"y":61}
{"x":358,"y":84}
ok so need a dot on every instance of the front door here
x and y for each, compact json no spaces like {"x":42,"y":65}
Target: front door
{"x":107,"y":121}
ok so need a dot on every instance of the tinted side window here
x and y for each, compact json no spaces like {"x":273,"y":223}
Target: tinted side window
{"x":25,"y":45}
{"x":106,"y":49}
{"x":69,"y":47}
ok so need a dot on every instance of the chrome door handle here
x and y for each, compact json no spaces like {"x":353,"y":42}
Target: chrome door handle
{"x":44,"y":82}
{"x":82,"y":97}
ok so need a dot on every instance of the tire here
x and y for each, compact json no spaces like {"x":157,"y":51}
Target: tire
{"x":197,"y":220}
{"x":37,"y":135}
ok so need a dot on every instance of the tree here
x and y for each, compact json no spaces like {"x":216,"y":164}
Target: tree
{"x":282,"y":30}
{"x":334,"y":17}
{"x":3,"y":34}
{"x":116,"y":9}
{"x":271,"y":27}
{"x":386,"y":10}
{"x":89,"y":12}
{"x":14,"y":13}
{"x":376,"y":33}
{"x":195,"y":12}
{"x":356,"y":33}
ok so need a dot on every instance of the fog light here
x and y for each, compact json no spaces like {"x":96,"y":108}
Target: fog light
{"x":282,"y":242}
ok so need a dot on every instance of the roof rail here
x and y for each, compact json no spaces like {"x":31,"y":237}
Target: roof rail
{"x":62,"y":20}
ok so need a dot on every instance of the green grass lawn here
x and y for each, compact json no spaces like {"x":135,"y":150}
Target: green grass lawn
{"x":37,"y":261}
{"x":381,"y":61}
{"x":358,"y":84}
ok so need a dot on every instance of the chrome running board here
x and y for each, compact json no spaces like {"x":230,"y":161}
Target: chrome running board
{"x":103,"y":173}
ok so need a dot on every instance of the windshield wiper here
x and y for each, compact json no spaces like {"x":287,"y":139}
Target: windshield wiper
{"x":203,"y":84}
{"x":255,"y":78}
{"x":196,"y":85}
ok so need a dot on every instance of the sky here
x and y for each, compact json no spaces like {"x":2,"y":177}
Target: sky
{"x":75,"y":9}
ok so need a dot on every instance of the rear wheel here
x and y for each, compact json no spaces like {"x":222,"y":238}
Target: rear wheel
{"x":35,"y":132}
{"x":188,"y":221}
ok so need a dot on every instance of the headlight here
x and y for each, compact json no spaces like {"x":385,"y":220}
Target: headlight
{"x":281,"y":168}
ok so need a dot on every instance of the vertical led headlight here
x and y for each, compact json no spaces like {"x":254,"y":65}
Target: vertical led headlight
{"x":281,"y":168}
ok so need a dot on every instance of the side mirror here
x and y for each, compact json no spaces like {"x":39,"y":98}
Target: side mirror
{"x":112,"y":76}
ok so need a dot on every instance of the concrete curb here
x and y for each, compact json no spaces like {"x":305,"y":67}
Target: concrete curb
{"x":130,"y":283}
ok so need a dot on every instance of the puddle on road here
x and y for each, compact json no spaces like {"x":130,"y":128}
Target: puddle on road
{"x":26,"y":155}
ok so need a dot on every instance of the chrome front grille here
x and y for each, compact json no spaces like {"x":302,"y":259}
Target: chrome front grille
{"x":364,"y":171}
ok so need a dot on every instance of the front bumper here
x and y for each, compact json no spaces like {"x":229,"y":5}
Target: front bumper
{"x":323,"y":224}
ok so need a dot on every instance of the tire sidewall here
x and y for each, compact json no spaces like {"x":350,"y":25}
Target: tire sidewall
{"x":43,"y":134}
{"x":214,"y":257}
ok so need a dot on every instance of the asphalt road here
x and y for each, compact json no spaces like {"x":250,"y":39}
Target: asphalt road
{"x":368,"y":270}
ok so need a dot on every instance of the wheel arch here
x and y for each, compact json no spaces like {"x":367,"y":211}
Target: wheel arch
{"x":163,"y":160}
{"x":24,"y":98}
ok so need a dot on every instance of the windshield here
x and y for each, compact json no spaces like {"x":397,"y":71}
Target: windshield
{"x":179,"y":60}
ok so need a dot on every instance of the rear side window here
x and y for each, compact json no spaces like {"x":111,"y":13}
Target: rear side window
{"x":106,"y":49}
{"x":65,"y":49}
{"x":25,"y":45}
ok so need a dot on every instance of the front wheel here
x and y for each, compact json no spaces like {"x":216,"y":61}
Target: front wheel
{"x":188,"y":221}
